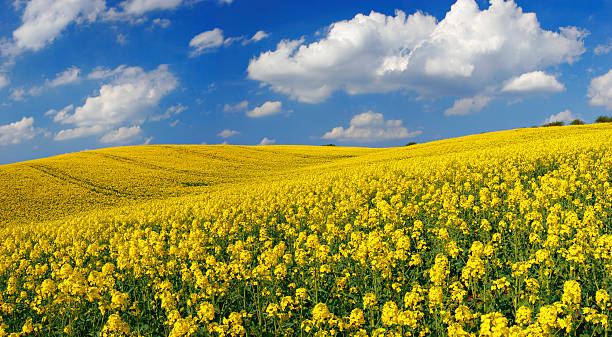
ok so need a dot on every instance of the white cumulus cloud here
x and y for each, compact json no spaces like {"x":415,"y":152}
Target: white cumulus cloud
{"x":260,"y":35}
{"x":126,"y":101}
{"x":466,"y":52}
{"x":603,"y":49}
{"x":228,"y":133}
{"x":171,"y":111}
{"x":4,"y":81}
{"x":68,"y":76}
{"x":465,"y":106}
{"x":564,"y":116}
{"x":163,"y":23}
{"x":267,"y":109}
{"x":123,"y":135}
{"x":241,"y":106}
{"x":206,"y":41}
{"x":600,"y":91}
{"x":533,"y":82}
{"x":17,"y":132}
{"x":267,"y":141}
{"x":370,"y":127}
{"x":44,"y":20}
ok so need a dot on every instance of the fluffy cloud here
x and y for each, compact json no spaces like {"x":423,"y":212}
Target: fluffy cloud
{"x":58,"y":116}
{"x":171,"y":111}
{"x":603,"y":49}
{"x":68,"y":76}
{"x":260,"y":35}
{"x":44,"y":20}
{"x":533,"y":82}
{"x":267,"y":141}
{"x":102,"y":73}
{"x":466,"y":106}
{"x":228,"y":133}
{"x":17,"y":132}
{"x":564,"y":116}
{"x":466,"y":52}
{"x":236,"y":107}
{"x":206,"y":41}
{"x":163,"y":23}
{"x":123,"y":135}
{"x":600,"y":91}
{"x":139,"y":7}
{"x":211,"y":39}
{"x":267,"y":109}
{"x":4,"y":81}
{"x":370,"y":126}
{"x":127,"y":99}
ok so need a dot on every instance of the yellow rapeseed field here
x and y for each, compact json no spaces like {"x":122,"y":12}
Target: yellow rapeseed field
{"x":500,"y":234}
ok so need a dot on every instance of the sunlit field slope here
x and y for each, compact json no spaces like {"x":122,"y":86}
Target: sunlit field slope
{"x":50,"y":188}
{"x":500,"y":234}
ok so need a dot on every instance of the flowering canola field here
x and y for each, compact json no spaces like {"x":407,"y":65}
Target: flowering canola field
{"x":500,"y":234}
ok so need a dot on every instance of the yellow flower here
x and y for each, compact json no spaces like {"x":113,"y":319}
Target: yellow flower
{"x":369,"y":300}
{"x":206,"y":312}
{"x":571,"y":293}
{"x":356,"y":318}
{"x":602,"y":297}
{"x":389,"y":313}
{"x":320,"y":313}
{"x":523,"y":315}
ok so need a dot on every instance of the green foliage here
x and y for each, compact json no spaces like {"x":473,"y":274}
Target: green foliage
{"x":557,"y":123}
{"x":603,"y":119}
{"x":411,"y":143}
{"x":329,"y":145}
{"x":577,"y":122}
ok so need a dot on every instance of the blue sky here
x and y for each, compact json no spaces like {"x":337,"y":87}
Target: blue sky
{"x":85,"y":74}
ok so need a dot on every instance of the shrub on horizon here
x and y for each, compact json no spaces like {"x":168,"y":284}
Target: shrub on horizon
{"x":577,"y":122}
{"x":557,"y":123}
{"x":603,"y":119}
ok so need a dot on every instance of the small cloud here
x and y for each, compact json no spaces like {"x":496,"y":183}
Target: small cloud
{"x":122,"y":135}
{"x":260,"y":35}
{"x":59,"y":116}
{"x":236,"y":107}
{"x":267,"y":109}
{"x":564,"y":116}
{"x":206,"y":41}
{"x":533,"y":82}
{"x":171,"y":111}
{"x":68,"y":76}
{"x":267,"y":141}
{"x":600,"y":91}
{"x":122,"y":39}
{"x":227,"y":133}
{"x":4,"y":81}
{"x":174,"y":123}
{"x":603,"y":49}
{"x":18,"y":94}
{"x":466,"y":106}
{"x":370,"y":127}
{"x":148,"y":140}
{"x":99,"y":72}
{"x":163,"y":23}
{"x":17,"y":132}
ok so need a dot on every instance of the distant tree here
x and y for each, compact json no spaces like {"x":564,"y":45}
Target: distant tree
{"x":411,"y":143}
{"x":603,"y":119}
{"x":577,"y":122}
{"x":329,"y":145}
{"x":557,"y":123}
